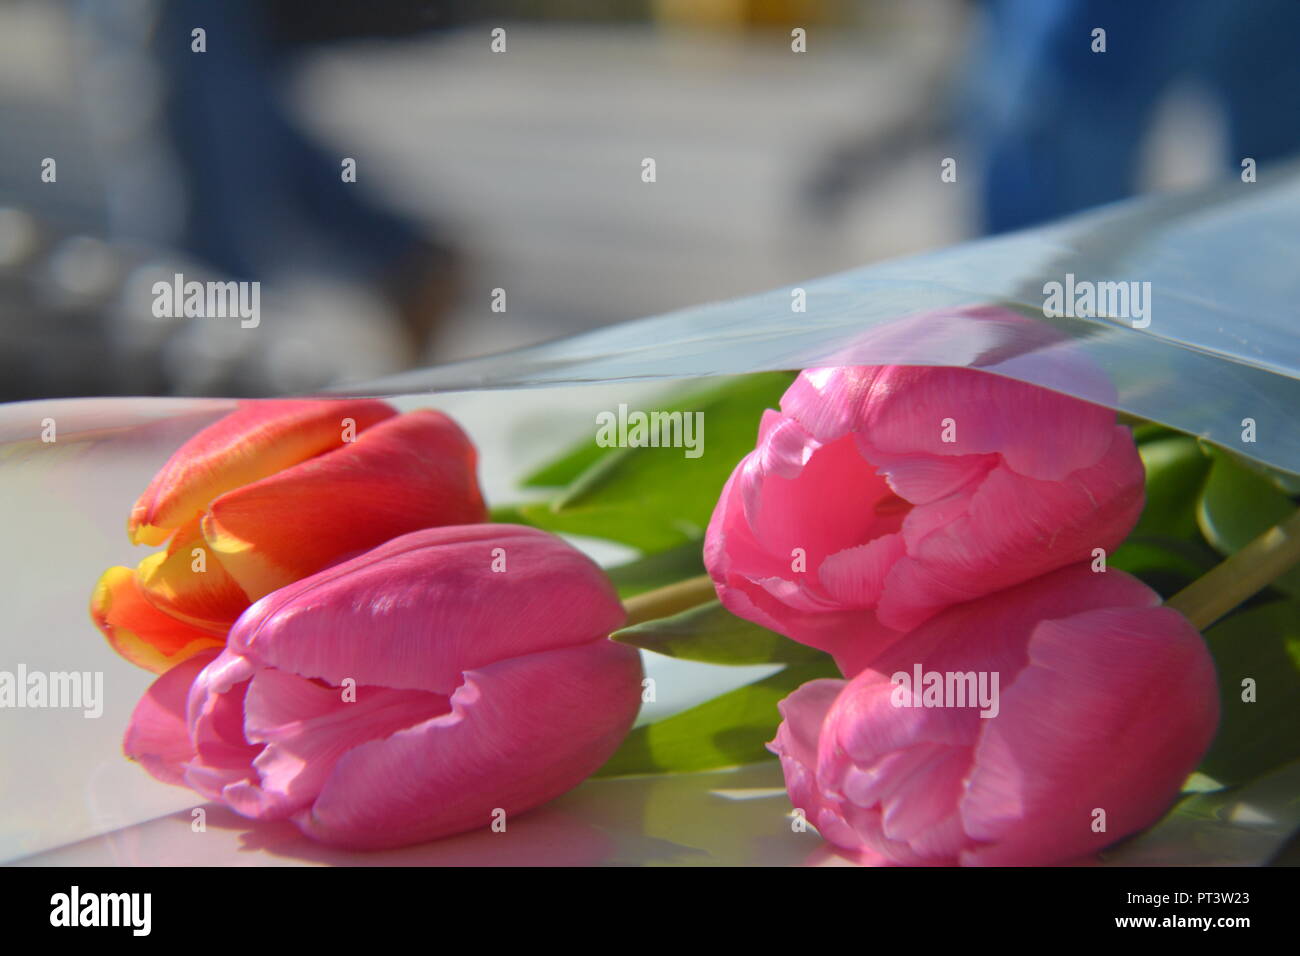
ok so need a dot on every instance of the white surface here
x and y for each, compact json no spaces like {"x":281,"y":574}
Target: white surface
{"x":731,"y":818}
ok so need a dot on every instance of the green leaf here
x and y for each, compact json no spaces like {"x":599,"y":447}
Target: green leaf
{"x":658,"y":570}
{"x":560,"y":471}
{"x":1166,"y":549}
{"x":1238,"y":826}
{"x":1175,"y":469}
{"x":1166,"y":565}
{"x":505,"y":514}
{"x":1261,"y":644}
{"x":1145,"y":431}
{"x":656,"y":498}
{"x":724,"y":732}
{"x":1284,"y":481}
{"x":1239,"y":504}
{"x":712,"y":634}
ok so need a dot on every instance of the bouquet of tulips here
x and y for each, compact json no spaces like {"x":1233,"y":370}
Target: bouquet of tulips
{"x":987,"y":599}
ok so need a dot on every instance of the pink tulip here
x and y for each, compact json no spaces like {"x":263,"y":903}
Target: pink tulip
{"x":1105,"y":703}
{"x":480,"y":675}
{"x":878,"y":496}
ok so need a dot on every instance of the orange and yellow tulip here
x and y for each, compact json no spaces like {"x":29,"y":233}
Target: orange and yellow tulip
{"x":272,"y":493}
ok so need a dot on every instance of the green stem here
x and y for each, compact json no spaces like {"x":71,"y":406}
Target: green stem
{"x":1241,"y":576}
{"x":671,"y":599}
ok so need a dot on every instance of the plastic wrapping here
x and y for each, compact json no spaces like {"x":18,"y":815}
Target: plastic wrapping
{"x":1220,"y":345}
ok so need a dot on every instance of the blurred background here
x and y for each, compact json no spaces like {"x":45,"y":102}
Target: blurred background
{"x":418,"y":182}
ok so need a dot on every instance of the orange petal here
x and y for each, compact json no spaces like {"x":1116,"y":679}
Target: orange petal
{"x":188,"y":582}
{"x":410,"y":472}
{"x":139,"y":631}
{"x":258,"y":439}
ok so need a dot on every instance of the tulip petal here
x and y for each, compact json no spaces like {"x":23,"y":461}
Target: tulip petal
{"x":762,"y":586}
{"x":902,"y":410}
{"x":921,"y":811}
{"x":416,"y":612}
{"x":784,"y":447}
{"x":188,"y":583}
{"x":989,"y":414}
{"x":1103,"y":735}
{"x":223,"y":757}
{"x":157,"y":736}
{"x":306,"y":727}
{"x":855,"y":577}
{"x":520,"y":732}
{"x":903,"y":806}
{"x":138,"y":630}
{"x":802,"y":716}
{"x":258,"y":439}
{"x":803,"y":713}
{"x":410,"y":472}
{"x":788,"y":513}
{"x":1013,"y":528}
{"x":869,"y":726}
{"x":828,"y":401}
{"x":921,"y":479}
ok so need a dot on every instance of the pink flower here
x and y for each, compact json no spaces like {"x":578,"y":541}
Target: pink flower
{"x":1104,"y":704}
{"x":406,"y":694}
{"x":878,"y":496}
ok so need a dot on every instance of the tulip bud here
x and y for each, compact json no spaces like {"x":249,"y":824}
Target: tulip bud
{"x":1104,"y":703}
{"x":273,"y":492}
{"x":878,"y":496}
{"x":405,"y":694}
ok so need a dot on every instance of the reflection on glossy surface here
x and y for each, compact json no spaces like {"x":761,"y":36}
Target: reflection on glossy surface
{"x":739,"y":817}
{"x":736,"y":817}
